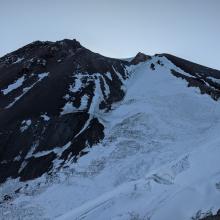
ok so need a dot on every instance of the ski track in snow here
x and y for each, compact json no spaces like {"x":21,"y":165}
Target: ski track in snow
{"x":153,"y":163}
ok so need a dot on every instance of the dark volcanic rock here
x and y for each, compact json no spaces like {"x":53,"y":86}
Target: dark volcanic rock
{"x":140,"y":57}
{"x":48,"y":104}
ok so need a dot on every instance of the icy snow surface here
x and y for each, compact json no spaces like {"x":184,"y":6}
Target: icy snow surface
{"x":13,"y":86}
{"x":159,"y":159}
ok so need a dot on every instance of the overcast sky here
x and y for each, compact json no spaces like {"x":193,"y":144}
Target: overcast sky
{"x":117,"y":28}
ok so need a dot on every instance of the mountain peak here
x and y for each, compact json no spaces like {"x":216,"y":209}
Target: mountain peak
{"x":140,"y":57}
{"x":45,"y":49}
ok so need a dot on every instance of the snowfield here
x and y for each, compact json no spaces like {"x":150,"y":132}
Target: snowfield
{"x":159,"y":159}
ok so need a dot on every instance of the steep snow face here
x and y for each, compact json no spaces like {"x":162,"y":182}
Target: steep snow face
{"x":159,"y":158}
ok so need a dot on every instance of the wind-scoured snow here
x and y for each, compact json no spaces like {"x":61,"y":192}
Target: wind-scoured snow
{"x":41,"y":76}
{"x":13,"y":86}
{"x":159,"y":159}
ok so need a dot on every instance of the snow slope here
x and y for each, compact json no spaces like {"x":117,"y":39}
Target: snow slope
{"x":159,"y":159}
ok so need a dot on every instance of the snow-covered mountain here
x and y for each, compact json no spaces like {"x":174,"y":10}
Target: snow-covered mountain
{"x":83,"y":136}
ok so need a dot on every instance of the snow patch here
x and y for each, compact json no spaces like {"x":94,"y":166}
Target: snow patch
{"x":45,"y":117}
{"x":42,"y":75}
{"x":58,"y":151}
{"x":14,"y":85}
{"x":108,"y":74}
{"x":77,"y":84}
{"x":68,"y":108}
{"x":25,"y":125}
{"x":18,"y":60}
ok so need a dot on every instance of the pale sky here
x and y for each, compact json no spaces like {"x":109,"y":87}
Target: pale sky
{"x":117,"y":28}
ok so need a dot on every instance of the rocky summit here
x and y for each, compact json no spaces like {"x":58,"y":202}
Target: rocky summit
{"x":145,"y":119}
